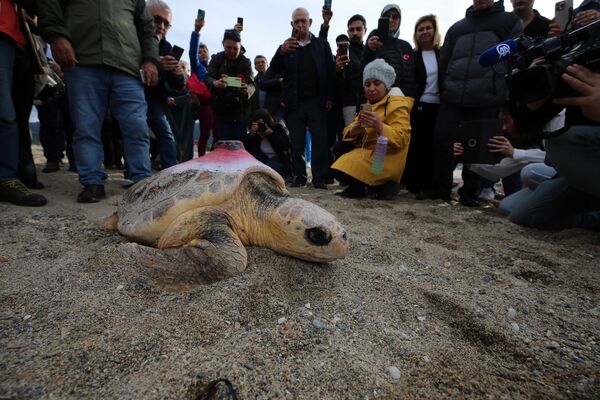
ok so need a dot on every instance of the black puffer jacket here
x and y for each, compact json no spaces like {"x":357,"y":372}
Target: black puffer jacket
{"x":399,"y":54}
{"x":465,"y":82}
{"x":229,"y":103}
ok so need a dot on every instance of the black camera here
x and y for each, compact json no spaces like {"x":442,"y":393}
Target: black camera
{"x":262,"y":127}
{"x":532,"y":89}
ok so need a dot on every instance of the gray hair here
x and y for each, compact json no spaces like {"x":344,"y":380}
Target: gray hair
{"x":160,"y":4}
{"x":300,"y":10}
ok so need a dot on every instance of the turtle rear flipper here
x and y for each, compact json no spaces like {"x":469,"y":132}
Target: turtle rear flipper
{"x":200,"y":262}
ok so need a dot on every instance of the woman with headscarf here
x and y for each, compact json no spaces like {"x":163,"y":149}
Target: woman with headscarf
{"x":396,"y":52}
{"x":389,"y":117}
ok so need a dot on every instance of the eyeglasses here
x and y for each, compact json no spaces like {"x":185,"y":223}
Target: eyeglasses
{"x":393,"y":16}
{"x":158,"y":20}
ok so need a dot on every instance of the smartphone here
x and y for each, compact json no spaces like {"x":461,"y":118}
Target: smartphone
{"x":343,"y":49}
{"x":383,"y":29}
{"x":143,"y":76}
{"x":563,"y":12}
{"x":240,"y":21}
{"x":181,"y":100}
{"x":233,"y":81}
{"x":176,"y":52}
{"x":327,"y":4}
{"x":365,"y":108}
{"x":201,"y":14}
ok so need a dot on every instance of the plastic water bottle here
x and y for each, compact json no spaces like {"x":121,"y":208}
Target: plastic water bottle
{"x":379,"y":155}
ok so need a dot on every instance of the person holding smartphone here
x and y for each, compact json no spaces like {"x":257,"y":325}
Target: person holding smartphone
{"x":587,"y":12}
{"x":172,"y":75}
{"x":395,"y":51}
{"x":231,"y":82}
{"x":348,"y":67}
{"x":308,"y":69}
{"x":199,"y":58}
{"x":389,"y":116}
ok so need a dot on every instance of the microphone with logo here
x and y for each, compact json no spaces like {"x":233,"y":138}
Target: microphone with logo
{"x":500,"y":52}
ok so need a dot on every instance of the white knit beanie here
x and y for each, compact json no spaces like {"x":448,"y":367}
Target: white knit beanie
{"x":380,"y":70}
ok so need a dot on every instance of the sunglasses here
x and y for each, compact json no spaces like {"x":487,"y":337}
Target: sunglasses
{"x":158,"y":19}
{"x":393,"y":16}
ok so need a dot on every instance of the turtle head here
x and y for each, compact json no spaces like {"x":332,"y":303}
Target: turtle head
{"x":306,"y":231}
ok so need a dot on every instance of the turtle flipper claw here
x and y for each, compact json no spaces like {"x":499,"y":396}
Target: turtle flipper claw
{"x":184,"y":268}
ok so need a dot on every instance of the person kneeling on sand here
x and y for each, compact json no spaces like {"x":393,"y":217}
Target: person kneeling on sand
{"x":388,"y":118}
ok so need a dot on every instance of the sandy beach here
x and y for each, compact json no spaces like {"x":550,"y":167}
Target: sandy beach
{"x":433,"y":301}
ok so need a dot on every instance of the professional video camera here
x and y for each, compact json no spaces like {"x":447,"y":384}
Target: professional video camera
{"x":533,"y":87}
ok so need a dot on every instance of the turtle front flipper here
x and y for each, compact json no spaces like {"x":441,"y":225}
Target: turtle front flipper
{"x":214,"y":253}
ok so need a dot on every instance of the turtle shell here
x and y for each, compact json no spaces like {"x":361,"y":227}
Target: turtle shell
{"x":150,"y":206}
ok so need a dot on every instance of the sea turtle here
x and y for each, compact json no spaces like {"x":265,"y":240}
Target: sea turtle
{"x":191,"y":221}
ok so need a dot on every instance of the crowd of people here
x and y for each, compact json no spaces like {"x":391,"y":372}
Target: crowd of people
{"x":380,"y":114}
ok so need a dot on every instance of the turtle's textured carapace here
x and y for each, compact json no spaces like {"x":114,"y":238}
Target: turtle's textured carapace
{"x":202,"y":212}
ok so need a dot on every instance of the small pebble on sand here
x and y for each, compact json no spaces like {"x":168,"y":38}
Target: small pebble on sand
{"x":394,"y":373}
{"x":281,"y":320}
{"x":317,"y":323}
{"x":511,"y":313}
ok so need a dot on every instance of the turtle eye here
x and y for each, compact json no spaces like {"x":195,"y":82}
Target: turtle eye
{"x":318,"y":236}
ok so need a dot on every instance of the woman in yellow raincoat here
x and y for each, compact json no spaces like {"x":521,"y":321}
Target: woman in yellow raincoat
{"x":389,"y":116}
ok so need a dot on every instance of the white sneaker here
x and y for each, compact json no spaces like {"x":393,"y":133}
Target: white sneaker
{"x":487,"y":194}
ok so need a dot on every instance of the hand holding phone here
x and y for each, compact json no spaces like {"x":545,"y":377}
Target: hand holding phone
{"x":201,"y":15}
{"x":233,"y":81}
{"x":365,"y":108}
{"x":563,"y":11}
{"x":176,"y":52}
{"x":383,"y":29}
{"x":343,"y":49}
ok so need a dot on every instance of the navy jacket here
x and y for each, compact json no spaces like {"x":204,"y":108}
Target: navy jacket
{"x":287,"y":64}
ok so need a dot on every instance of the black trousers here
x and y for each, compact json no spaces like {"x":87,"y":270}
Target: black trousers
{"x":22,"y":95}
{"x":448,"y":120}
{"x":56,"y":130}
{"x":418,"y":172}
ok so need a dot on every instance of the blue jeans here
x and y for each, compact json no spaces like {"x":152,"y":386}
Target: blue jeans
{"x":9,"y":130}
{"x":157,"y":120}
{"x":531,"y":176}
{"x":573,"y":199}
{"x":92,"y":89}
